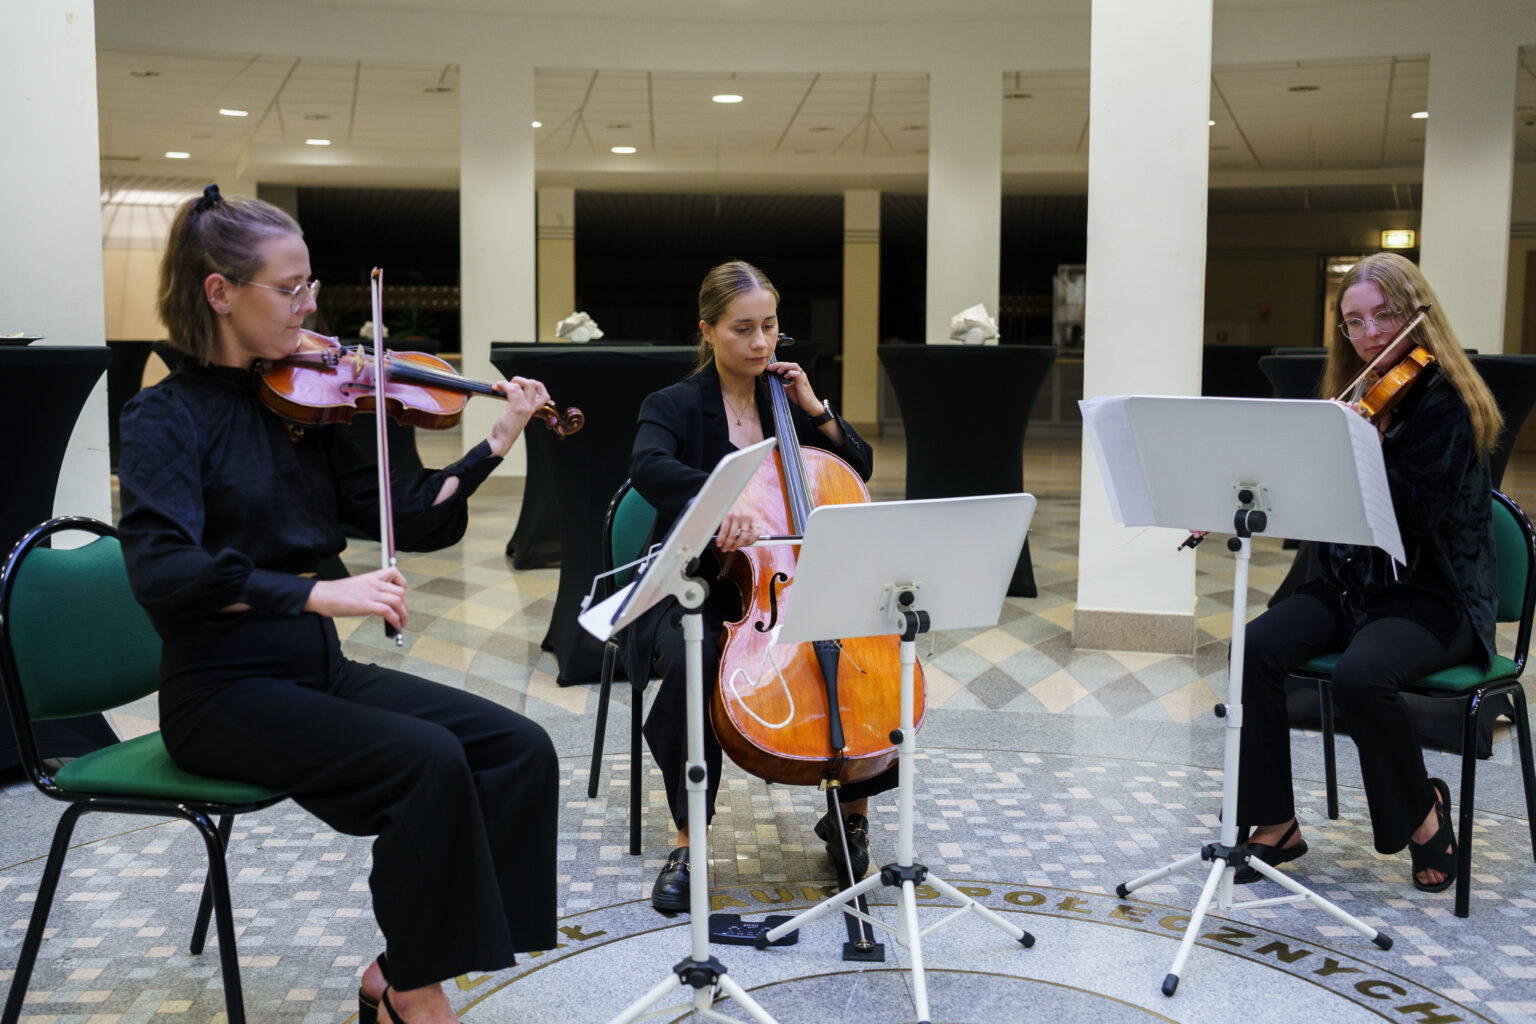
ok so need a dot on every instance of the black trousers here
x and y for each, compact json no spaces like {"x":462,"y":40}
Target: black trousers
{"x":1383,"y":656}
{"x":666,"y":726}
{"x":461,"y":792}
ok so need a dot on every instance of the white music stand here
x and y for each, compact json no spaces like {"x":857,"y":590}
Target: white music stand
{"x":1308,"y":469}
{"x":666,"y":575}
{"x":904,"y":567}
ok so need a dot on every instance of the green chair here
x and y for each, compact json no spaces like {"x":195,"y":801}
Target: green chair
{"x":1515,"y":548}
{"x":74,"y":641}
{"x":626,"y":527}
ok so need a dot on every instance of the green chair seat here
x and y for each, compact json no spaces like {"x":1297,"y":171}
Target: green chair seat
{"x":1456,"y":679}
{"x":141,"y":767}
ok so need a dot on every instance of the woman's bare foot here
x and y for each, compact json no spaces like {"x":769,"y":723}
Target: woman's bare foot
{"x":425,"y":1005}
{"x":1423,"y":834}
{"x":373,"y":982}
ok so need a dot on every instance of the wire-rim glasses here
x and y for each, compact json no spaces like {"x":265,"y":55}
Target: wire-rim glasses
{"x":297,"y":295}
{"x":1387,"y":321}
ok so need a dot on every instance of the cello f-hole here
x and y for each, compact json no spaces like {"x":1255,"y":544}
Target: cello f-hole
{"x":773,"y":602}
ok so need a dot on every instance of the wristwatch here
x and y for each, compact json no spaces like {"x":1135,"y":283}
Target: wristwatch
{"x":825,"y":417}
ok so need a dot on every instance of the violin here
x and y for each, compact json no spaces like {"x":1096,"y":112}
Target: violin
{"x":327,"y":382}
{"x":805,"y":713}
{"x":1376,"y":391}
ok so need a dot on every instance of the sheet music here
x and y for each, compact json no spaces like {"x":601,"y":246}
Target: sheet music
{"x":1175,"y":461}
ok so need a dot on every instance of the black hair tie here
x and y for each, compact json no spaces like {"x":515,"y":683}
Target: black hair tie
{"x":210,"y":199}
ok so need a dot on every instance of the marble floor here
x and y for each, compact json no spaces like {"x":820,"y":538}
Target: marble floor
{"x":1047,"y":775}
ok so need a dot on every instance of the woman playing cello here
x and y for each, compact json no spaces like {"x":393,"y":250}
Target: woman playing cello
{"x":1394,"y":622}
{"x":684,"y":430}
{"x":226,"y":518}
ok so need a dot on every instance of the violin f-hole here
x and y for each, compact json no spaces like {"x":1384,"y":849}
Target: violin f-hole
{"x":773,"y":602}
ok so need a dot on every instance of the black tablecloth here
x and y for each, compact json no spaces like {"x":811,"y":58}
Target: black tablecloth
{"x":1232,"y":371}
{"x":42,"y":391}
{"x":607,"y":383}
{"x":964,"y":409}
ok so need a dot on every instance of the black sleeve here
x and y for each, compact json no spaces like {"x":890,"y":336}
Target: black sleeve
{"x":656,"y":463}
{"x":1428,"y":459}
{"x":419,"y":524}
{"x":163,"y":520}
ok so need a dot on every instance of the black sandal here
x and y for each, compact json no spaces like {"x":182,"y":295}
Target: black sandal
{"x":1439,"y":854}
{"x":368,"y":1009}
{"x":1274,"y":855}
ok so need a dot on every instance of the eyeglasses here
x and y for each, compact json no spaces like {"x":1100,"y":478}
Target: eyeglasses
{"x":297,"y":295}
{"x":1386,"y":321}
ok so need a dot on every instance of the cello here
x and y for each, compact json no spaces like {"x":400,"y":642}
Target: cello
{"x":807,"y":713}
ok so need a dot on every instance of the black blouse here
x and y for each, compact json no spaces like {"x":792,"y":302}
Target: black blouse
{"x":1442,"y":494}
{"x":221,"y":506}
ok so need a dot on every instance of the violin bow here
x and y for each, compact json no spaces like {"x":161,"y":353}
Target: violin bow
{"x":380,"y":383}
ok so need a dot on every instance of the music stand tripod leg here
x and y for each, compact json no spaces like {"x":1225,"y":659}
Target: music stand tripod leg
{"x":702,"y":972}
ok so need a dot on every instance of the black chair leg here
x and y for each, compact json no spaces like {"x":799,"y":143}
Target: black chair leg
{"x":609,"y":651}
{"x":205,"y":905}
{"x":1527,"y":764}
{"x":46,"y":889}
{"x":636,"y":769}
{"x":1330,"y":758}
{"x":1468,"y":794}
{"x":223,"y":917}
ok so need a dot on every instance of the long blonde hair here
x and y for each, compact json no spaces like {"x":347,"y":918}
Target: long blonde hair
{"x":1402,"y":284}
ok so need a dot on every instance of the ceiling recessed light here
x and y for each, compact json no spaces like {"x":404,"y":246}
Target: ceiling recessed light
{"x":1211,"y":124}
{"x":538,"y":124}
{"x":176,"y":154}
{"x":317,"y":117}
{"x":623,"y":149}
{"x":1419,"y":115}
{"x":726,"y":97}
{"x":1302,"y":88}
{"x":317,"y":142}
{"x":144,"y":74}
{"x":232,"y":112}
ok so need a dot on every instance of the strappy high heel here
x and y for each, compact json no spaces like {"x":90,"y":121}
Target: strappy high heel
{"x":1439,"y":854}
{"x":368,"y":1009}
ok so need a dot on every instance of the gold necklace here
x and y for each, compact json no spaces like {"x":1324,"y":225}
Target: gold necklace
{"x":738,"y":413}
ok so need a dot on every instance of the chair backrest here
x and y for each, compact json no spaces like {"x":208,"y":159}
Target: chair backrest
{"x":73,"y":640}
{"x":1514,"y":545}
{"x":626,"y":528}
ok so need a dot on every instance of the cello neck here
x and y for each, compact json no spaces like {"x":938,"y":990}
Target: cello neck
{"x":797,"y":490}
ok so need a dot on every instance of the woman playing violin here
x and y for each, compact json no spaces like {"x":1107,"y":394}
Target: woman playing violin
{"x":226,"y":517}
{"x":684,"y":430}
{"x":1394,"y":622}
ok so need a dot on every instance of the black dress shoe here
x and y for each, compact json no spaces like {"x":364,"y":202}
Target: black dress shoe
{"x":671,"y":890}
{"x":856,"y":828}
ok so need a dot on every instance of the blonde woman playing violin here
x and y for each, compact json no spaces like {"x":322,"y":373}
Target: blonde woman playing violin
{"x":1394,"y":623}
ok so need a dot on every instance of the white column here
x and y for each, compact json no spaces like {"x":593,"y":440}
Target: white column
{"x":1147,"y":171}
{"x":965,"y":180}
{"x":497,"y":222}
{"x":1469,"y":149}
{"x":50,"y":203}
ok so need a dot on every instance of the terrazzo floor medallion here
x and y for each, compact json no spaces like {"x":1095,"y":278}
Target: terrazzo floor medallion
{"x":1040,"y":838}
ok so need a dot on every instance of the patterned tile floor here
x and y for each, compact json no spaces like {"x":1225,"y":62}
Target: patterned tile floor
{"x":1048,"y":775}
